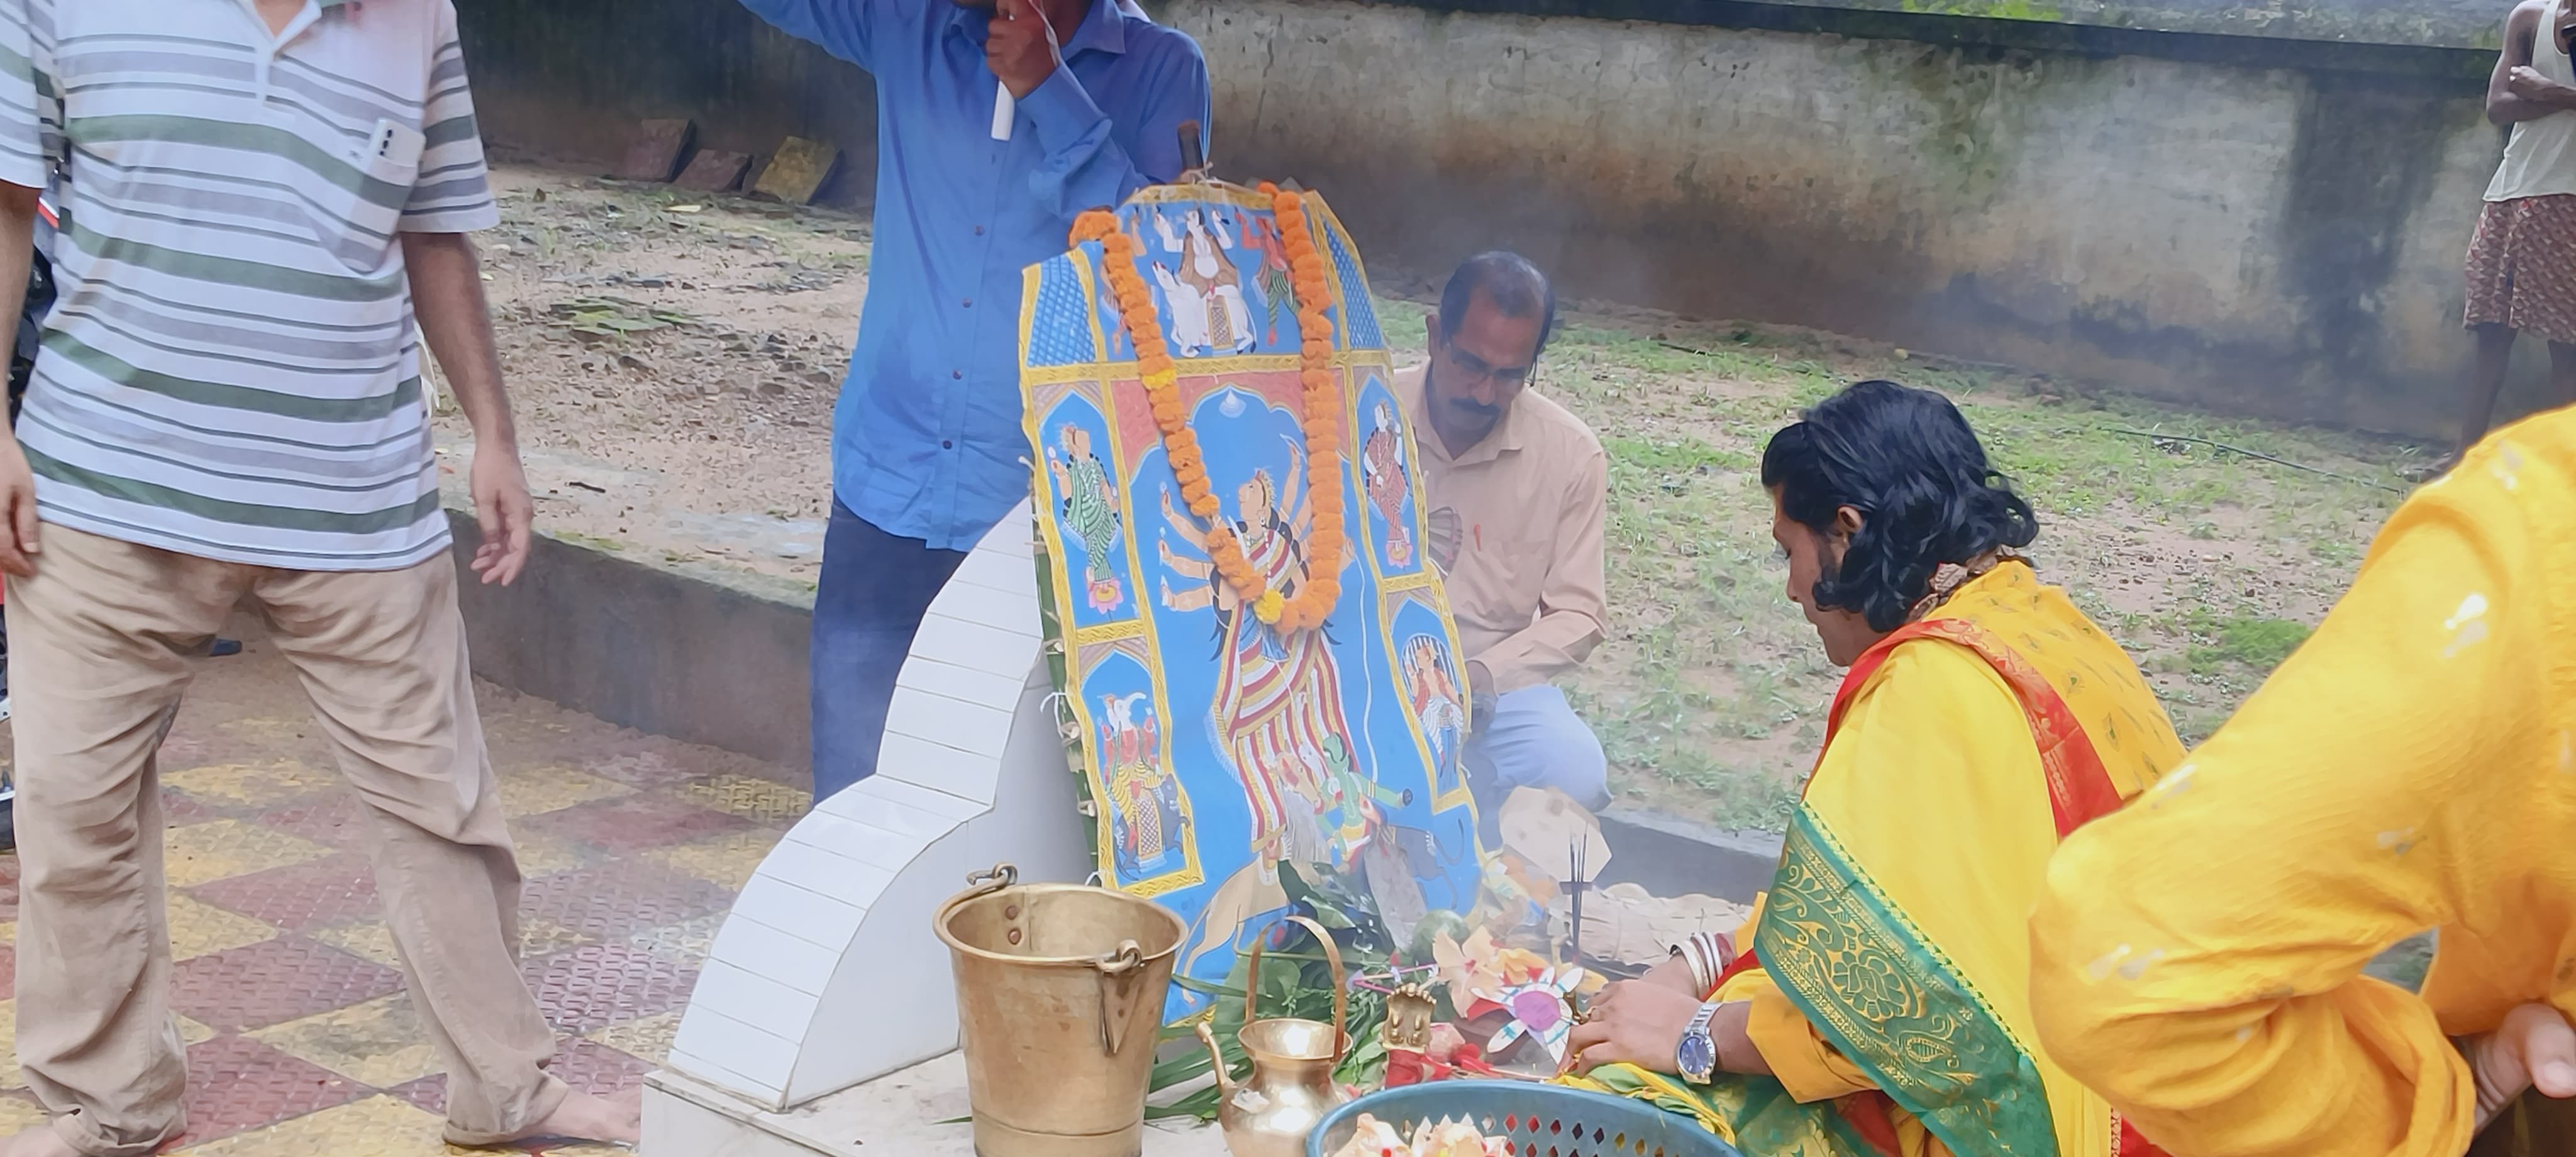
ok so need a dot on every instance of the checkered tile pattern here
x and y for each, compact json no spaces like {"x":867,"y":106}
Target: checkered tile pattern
{"x":301,"y":1041}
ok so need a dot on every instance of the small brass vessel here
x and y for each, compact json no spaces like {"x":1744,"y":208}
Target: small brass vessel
{"x":1270,"y":1112}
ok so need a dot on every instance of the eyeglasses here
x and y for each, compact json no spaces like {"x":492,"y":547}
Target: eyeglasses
{"x":1476,"y":367}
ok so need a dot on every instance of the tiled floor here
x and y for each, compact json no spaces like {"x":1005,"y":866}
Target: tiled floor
{"x":301,"y":1042}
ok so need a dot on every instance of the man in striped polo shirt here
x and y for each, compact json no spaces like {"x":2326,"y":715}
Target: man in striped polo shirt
{"x":259,"y":196}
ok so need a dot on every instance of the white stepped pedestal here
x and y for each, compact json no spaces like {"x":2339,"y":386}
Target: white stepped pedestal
{"x":827,"y":974}
{"x":903,"y":1113}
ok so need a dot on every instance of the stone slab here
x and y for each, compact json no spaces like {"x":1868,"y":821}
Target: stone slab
{"x":714,"y":171}
{"x":798,"y":171}
{"x":653,"y":152}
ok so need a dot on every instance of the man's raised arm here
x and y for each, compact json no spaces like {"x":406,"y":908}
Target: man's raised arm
{"x":844,"y":28}
{"x":1084,"y":167}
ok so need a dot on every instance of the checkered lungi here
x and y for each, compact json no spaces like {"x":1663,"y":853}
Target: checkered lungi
{"x":2522,"y":267}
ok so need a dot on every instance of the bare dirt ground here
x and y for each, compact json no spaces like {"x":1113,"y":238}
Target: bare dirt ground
{"x":674,"y":359}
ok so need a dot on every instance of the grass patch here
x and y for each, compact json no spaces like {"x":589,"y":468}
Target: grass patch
{"x":2254,"y":643}
{"x":1677,"y":454}
{"x":1710,"y":691}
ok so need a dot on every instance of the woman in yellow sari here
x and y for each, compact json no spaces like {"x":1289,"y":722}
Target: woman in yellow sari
{"x":1884,"y":1008}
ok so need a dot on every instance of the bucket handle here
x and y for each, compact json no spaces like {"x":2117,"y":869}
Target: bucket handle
{"x":1121,"y":974}
{"x":1341,"y":984}
{"x":993,"y":879}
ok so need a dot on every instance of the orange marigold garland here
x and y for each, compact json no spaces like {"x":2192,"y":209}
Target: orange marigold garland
{"x":1321,"y":420}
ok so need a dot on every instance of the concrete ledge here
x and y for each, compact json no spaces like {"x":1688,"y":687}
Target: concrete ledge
{"x":1670,"y":857}
{"x":712,"y":655}
{"x":697,"y":653}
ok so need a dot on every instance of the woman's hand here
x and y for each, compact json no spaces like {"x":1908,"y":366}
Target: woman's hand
{"x":2535,"y":1048}
{"x":1638,"y":1022}
{"x":1674,"y":973}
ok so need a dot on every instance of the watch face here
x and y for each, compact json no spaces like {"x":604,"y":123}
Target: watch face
{"x":1697,"y":1055}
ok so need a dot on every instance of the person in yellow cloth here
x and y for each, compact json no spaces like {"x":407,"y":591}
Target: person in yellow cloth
{"x":1883,"y":1010}
{"x":2199,"y":956}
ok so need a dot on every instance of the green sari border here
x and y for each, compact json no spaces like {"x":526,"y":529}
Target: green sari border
{"x":1888,"y":1000}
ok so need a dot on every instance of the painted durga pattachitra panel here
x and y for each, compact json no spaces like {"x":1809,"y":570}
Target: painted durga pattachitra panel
{"x":1215,"y":747}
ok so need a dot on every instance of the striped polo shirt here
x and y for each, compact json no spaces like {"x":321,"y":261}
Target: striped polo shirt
{"x":229,"y":369}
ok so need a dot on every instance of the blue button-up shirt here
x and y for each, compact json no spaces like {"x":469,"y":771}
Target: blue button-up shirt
{"x":926,"y":439}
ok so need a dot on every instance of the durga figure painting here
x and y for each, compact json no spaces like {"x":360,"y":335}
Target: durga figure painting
{"x":1278,"y":706}
{"x":1236,"y":739}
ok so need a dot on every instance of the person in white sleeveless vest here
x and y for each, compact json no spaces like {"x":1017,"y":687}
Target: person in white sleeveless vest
{"x":2522,"y":264}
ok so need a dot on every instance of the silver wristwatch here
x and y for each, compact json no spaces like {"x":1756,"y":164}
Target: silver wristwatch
{"x":1696,"y":1059}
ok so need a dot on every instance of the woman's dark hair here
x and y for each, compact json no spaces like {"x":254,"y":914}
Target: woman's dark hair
{"x":1910,"y":465}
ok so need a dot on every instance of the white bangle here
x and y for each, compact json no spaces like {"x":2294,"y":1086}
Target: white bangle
{"x":1703,"y":969}
{"x":1706,"y":947}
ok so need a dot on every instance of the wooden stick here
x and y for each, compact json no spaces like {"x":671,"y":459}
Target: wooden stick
{"x":2260,"y":455}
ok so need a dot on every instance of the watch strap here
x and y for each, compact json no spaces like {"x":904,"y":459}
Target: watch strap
{"x":1698,"y":1031}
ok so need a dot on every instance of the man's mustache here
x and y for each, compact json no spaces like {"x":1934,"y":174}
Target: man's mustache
{"x":1479,"y":409}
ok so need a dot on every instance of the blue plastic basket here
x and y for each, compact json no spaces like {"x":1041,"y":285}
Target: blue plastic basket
{"x":1534,"y":1120}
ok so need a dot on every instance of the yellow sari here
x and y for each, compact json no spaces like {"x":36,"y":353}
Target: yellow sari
{"x":1891,"y":956}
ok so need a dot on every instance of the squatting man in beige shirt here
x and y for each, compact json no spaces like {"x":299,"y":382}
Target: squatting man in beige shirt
{"x":1517,"y":490}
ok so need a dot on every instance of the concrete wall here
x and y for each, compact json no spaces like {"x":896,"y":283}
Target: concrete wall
{"x":2255,"y":213}
{"x":2270,"y":239}
{"x":571,"y":77}
{"x":700,"y":653}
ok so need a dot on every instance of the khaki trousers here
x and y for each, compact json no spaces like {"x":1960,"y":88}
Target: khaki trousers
{"x":102,"y":641}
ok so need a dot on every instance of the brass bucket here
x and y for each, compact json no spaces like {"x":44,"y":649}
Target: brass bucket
{"x":1060,"y":992}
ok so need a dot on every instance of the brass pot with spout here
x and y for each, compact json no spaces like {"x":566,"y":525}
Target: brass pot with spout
{"x":1291,"y":1086}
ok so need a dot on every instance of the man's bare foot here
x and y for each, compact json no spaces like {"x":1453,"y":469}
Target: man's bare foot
{"x":41,"y":1141}
{"x":617,"y":1120}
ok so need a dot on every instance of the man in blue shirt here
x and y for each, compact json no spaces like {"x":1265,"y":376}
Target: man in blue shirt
{"x":927,"y":452}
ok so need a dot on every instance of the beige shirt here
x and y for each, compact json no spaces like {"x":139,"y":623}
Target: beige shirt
{"x":1515,"y":526}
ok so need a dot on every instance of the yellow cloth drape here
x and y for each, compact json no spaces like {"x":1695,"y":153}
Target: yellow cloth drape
{"x":1933,"y":788}
{"x":2198,"y":957}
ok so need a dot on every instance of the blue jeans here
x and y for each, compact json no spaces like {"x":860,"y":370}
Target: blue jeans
{"x":874,"y":589}
{"x":1535,"y":739}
